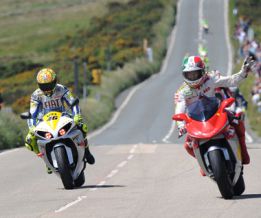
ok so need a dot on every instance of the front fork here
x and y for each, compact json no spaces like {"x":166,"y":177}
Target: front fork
{"x":234,"y":170}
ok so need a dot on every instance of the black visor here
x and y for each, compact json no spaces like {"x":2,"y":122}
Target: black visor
{"x":47,"y":86}
{"x":193,"y":75}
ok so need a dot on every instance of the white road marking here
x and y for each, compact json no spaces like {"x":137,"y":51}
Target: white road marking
{"x":130,"y":157}
{"x":172,"y":128}
{"x":112,"y":173}
{"x":122,"y":164}
{"x":80,"y":198}
{"x":133,"y":150}
{"x":101,"y":183}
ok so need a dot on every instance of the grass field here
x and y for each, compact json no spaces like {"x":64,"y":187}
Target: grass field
{"x":30,"y":28}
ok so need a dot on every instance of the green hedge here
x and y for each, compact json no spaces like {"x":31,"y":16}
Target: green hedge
{"x":12,"y":130}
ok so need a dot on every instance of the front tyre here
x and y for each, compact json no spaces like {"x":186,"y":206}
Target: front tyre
{"x":239,"y":187}
{"x":63,"y":167}
{"x":221,"y":175}
{"x":80,"y":180}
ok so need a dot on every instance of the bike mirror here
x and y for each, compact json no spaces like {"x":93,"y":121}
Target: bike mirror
{"x":25,"y":115}
{"x":75,"y":102}
{"x":226,"y":103}
{"x":180,"y":117}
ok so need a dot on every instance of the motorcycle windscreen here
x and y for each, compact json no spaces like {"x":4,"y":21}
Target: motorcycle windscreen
{"x":203,"y":109}
{"x":207,"y":120}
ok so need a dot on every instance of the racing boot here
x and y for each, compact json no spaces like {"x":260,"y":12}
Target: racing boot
{"x":48,"y":170}
{"x":240,"y":131}
{"x":88,"y":156}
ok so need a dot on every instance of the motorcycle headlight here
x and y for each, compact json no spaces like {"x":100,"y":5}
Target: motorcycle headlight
{"x":48,"y":135}
{"x":43,"y":134}
{"x":62,"y":132}
{"x":65,"y":129}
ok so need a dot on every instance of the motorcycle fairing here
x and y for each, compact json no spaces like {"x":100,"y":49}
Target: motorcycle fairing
{"x":52,"y":123}
{"x":209,"y":129}
{"x":208,"y":118}
{"x":72,"y":140}
{"x":52,"y":119}
{"x":230,"y":150}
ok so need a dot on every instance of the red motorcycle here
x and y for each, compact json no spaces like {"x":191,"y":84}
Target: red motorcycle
{"x":215,"y":143}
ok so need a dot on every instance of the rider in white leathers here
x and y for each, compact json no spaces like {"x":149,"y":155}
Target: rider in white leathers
{"x":197,"y":83}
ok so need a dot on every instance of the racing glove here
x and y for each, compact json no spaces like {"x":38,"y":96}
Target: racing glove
{"x":78,"y":119}
{"x":31,"y":130}
{"x":182,"y":131}
{"x":79,"y":122}
{"x":248,"y":65}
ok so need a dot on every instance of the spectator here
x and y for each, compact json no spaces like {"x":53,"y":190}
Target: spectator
{"x":249,"y":46}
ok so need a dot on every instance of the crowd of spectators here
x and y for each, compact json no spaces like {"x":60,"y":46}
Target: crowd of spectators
{"x":248,"y":45}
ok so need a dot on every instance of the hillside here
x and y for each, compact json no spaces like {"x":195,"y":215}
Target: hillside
{"x":106,"y":34}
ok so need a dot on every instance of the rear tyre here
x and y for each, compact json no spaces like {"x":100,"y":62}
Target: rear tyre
{"x":221,"y":175}
{"x":63,"y":167}
{"x":80,"y":180}
{"x":239,"y":187}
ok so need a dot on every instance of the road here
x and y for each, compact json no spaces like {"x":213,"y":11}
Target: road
{"x":141,"y":167}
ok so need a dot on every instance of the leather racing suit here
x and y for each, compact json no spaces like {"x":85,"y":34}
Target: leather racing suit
{"x":40,"y":104}
{"x":185,"y":95}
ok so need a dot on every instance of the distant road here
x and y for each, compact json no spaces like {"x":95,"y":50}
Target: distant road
{"x":142,"y":169}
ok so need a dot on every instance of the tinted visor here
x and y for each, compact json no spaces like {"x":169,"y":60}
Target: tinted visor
{"x":45,"y":87}
{"x":193,"y":75}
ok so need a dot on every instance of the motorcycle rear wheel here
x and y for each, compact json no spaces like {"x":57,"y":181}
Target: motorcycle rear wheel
{"x":63,"y":167}
{"x":221,"y":175}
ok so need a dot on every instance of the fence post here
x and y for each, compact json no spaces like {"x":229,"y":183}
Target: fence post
{"x":84,"y":79}
{"x":76,"y":82}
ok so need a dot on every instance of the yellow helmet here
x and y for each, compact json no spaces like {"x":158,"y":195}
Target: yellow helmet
{"x":46,"y":80}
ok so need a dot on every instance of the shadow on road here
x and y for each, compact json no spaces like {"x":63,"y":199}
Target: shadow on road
{"x":101,"y":186}
{"x":247,"y":196}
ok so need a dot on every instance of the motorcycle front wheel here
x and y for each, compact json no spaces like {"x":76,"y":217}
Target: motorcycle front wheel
{"x":239,"y":187}
{"x":80,"y":180}
{"x":63,"y":167}
{"x":221,"y":174}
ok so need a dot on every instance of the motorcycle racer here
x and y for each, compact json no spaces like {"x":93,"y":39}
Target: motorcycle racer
{"x":51,"y":96}
{"x":198,"y":82}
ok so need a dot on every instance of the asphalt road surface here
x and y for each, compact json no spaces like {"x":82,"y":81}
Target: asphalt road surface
{"x":142,"y":169}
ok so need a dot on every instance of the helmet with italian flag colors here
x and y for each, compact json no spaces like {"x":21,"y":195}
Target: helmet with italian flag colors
{"x":193,"y":70}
